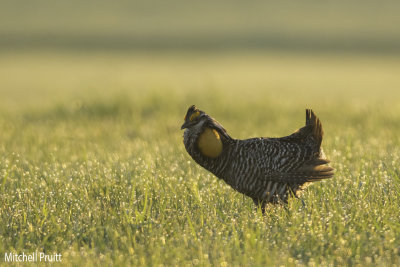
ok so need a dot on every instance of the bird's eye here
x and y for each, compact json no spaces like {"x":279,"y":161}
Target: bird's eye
{"x":194,"y":116}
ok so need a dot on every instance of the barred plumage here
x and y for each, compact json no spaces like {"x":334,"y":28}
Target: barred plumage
{"x":269,"y":170}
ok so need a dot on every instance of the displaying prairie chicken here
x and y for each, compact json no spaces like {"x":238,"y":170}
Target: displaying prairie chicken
{"x":268,"y":170}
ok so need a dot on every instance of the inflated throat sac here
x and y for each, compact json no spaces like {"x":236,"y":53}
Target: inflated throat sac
{"x":209,"y":143}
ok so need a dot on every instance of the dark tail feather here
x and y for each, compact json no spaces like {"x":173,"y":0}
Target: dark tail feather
{"x":319,"y":161}
{"x":307,"y":176}
{"x":315,"y":170}
{"x":317,"y":132}
{"x":318,"y":173}
{"x":312,"y":171}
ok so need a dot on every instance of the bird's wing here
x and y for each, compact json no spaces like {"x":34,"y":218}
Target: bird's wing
{"x":287,"y":162}
{"x":311,"y":171}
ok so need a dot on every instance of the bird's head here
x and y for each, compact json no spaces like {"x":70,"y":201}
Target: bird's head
{"x":194,"y":118}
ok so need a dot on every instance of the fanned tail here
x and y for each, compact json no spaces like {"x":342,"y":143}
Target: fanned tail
{"x":317,"y":168}
{"x":312,"y":131}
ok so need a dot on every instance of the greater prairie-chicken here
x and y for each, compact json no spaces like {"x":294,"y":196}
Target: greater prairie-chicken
{"x":269,"y":170}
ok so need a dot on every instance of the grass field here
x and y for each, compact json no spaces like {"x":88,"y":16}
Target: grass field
{"x":93,"y":166}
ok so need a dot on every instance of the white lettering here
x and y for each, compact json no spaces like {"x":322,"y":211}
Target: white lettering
{"x":33,"y":257}
{"x":8,"y":257}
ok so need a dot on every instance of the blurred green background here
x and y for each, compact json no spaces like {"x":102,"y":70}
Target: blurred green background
{"x":55,"y":51}
{"x":312,"y":25}
{"x":207,"y":25}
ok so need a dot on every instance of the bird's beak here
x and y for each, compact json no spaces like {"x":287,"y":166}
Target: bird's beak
{"x":185,"y":125}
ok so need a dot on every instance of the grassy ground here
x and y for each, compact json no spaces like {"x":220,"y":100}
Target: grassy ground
{"x":92,"y":164}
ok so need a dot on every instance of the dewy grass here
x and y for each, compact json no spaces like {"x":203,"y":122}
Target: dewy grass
{"x":104,"y":179}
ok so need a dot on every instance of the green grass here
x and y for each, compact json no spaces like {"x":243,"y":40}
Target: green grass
{"x":93,"y":166}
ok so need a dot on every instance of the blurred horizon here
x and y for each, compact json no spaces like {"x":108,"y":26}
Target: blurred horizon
{"x":350,"y":26}
{"x":308,"y":53}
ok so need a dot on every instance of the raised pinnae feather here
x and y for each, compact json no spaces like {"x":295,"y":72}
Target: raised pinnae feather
{"x":317,"y":132}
